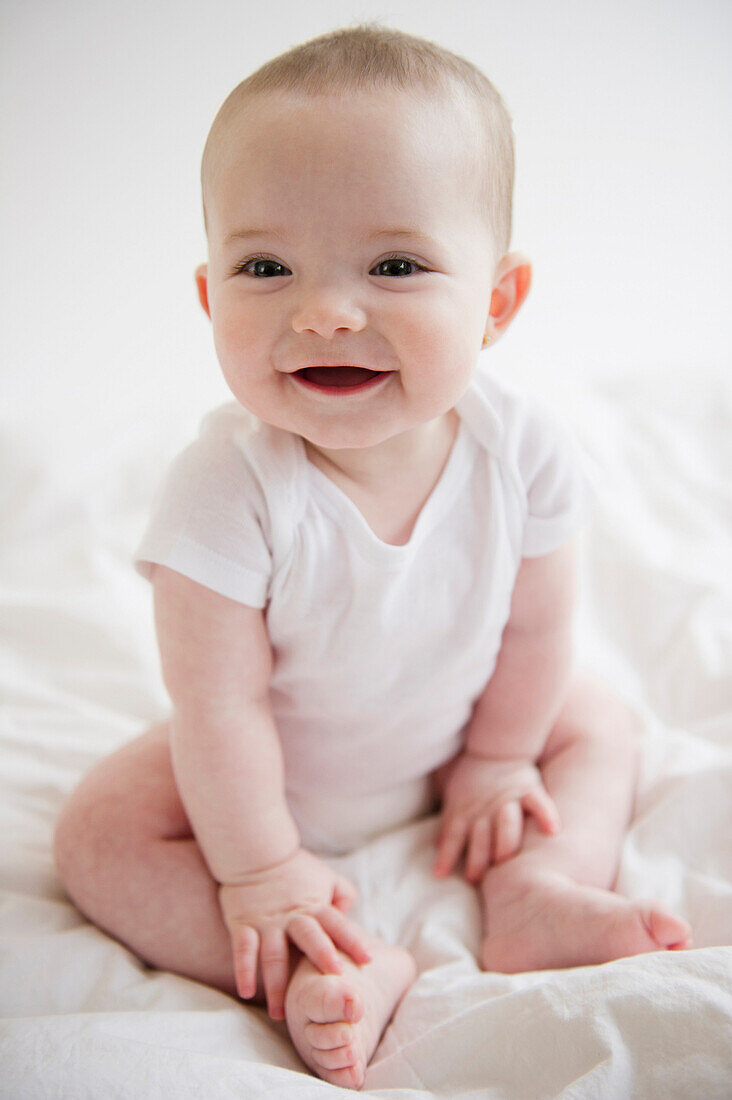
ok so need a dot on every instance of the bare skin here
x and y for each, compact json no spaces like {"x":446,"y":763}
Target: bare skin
{"x":549,"y":921}
{"x":125,"y":852}
{"x":336,"y":1022}
{"x":552,"y":904}
{"x":540,"y":807}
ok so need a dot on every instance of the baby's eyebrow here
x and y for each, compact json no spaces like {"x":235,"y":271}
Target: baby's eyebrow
{"x":399,"y":232}
{"x":391,"y":233}
{"x":247,"y":234}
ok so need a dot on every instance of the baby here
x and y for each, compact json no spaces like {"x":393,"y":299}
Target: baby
{"x":363,"y":575}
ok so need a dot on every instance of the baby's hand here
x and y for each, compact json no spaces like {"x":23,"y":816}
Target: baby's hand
{"x":300,"y":900}
{"x":484,"y":803}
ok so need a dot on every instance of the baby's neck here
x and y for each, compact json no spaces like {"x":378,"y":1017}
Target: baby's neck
{"x":405,"y":460}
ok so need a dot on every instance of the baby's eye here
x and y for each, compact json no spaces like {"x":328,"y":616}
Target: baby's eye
{"x":396,"y":267}
{"x":261,"y":267}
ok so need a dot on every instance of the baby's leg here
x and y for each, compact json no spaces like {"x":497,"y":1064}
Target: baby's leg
{"x":126,"y":855}
{"x":128,"y":860}
{"x":552,"y":904}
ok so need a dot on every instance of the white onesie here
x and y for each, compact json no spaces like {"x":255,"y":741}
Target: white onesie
{"x":380,"y":651}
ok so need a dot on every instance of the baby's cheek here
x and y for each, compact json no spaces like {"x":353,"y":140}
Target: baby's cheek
{"x":454,"y":334}
{"x":229,"y":335}
{"x":239,"y":348}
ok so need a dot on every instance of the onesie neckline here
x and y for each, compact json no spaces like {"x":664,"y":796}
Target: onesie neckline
{"x":340,"y":506}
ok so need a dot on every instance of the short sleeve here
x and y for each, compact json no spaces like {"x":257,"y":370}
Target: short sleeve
{"x":209,"y":520}
{"x":552,"y":470}
{"x":549,"y":466}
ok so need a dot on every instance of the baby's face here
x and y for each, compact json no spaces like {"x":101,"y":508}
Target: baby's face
{"x":347,"y":230}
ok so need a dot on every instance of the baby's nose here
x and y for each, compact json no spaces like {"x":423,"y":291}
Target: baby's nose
{"x":326,"y":310}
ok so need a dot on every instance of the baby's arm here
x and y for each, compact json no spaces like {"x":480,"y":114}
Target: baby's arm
{"x":489,"y":787}
{"x":217,"y":664}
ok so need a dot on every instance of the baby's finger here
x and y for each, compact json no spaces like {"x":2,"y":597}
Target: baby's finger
{"x":508,"y":831}
{"x":541,"y":807}
{"x":479,"y":850}
{"x":306,"y":932}
{"x":275,"y":959}
{"x":245,"y":946}
{"x":346,"y":935}
{"x":344,"y":894}
{"x":453,"y":835}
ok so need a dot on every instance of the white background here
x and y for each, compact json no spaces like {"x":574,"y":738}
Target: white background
{"x":622,"y":117}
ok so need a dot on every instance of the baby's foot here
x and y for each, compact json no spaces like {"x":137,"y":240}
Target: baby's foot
{"x":335,"y":1022}
{"x":546,"y":922}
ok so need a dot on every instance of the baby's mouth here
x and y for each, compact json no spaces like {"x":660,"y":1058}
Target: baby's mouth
{"x":337,"y":376}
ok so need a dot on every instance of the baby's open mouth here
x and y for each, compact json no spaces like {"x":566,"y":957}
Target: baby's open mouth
{"x":337,"y":376}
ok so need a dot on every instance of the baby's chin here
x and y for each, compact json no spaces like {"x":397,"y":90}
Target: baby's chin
{"x":331,"y":428}
{"x":375,"y":431}
{"x":350,"y":430}
{"x":346,"y":438}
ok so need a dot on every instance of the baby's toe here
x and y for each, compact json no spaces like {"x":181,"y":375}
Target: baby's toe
{"x":342,"y":1058}
{"x":328,"y":1036}
{"x":668,"y":930}
{"x":327,"y":999}
{"x":352,"y":1077}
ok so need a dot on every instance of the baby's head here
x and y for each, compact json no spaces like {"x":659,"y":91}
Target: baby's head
{"x":357,"y":200}
{"x":374,"y":60}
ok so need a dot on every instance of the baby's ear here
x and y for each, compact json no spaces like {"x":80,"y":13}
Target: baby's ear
{"x":202,"y":286}
{"x":512,"y":283}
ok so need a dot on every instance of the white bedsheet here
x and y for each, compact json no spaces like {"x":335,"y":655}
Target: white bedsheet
{"x":82,"y":1018}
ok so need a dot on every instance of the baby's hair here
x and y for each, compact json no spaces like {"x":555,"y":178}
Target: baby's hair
{"x":373,"y":57}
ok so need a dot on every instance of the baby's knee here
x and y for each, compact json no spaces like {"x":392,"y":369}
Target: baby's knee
{"x":80,"y":835}
{"x":594,"y":715}
{"x":95,"y":831}
{"x":618,"y":725}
